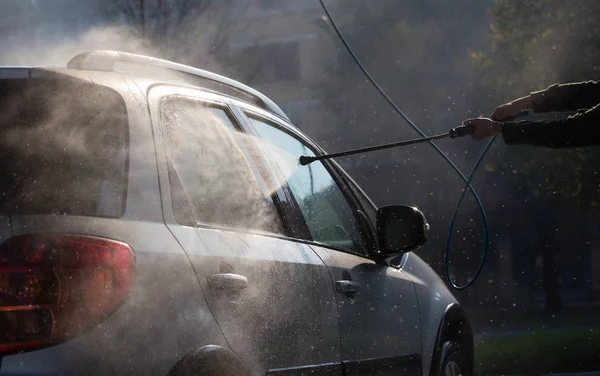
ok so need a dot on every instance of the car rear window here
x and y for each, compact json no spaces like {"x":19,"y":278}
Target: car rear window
{"x":63,"y":148}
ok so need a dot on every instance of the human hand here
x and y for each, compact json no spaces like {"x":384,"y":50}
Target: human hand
{"x":484,"y":128}
{"x":512,"y":109}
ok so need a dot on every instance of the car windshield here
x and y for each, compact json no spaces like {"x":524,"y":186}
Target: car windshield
{"x":523,"y":76}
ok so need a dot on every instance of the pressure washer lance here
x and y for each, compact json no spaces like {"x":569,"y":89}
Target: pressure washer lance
{"x":459,"y":131}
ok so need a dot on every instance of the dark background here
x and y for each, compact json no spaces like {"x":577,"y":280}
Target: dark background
{"x":536,"y":305}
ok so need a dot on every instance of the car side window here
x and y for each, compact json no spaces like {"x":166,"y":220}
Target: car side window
{"x":211,"y":176}
{"x":328,"y":214}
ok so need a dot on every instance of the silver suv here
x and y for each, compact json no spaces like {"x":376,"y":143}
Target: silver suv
{"x":154,"y":219}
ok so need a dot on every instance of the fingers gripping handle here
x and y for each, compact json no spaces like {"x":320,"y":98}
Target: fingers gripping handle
{"x":468,"y":129}
{"x":461,"y":131}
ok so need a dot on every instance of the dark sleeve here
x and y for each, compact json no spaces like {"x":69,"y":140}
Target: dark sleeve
{"x":582,"y":129}
{"x":567,"y":97}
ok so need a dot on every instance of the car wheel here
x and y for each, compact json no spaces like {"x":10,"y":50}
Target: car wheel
{"x":453,"y":362}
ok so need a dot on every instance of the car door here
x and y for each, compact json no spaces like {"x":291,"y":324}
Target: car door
{"x":377,"y":304}
{"x":271,"y":296}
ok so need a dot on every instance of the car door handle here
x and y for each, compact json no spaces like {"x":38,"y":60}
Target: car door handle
{"x":228,"y":281}
{"x":347,"y":286}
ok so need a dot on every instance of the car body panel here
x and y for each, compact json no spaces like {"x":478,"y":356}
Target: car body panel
{"x":164,"y":318}
{"x":290,"y":309}
{"x":380,"y":321}
{"x":434,"y":299}
{"x":289,"y":294}
{"x":166,"y":315}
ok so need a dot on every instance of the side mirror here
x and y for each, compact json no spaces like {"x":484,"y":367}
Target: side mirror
{"x":400,"y":229}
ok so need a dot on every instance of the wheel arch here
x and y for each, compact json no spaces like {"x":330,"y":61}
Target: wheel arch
{"x":211,"y":360}
{"x":455,"y":326}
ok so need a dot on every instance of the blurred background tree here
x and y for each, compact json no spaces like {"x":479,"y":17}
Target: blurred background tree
{"x":536,"y":43}
{"x":187,"y":31}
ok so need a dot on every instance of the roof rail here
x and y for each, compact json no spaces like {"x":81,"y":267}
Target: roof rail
{"x":105,"y":60}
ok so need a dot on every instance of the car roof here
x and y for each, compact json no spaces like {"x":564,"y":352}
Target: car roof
{"x":140,"y":65}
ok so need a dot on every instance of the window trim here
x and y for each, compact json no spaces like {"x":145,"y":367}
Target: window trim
{"x":281,"y":196}
{"x":334,"y":172}
{"x":215,"y":101}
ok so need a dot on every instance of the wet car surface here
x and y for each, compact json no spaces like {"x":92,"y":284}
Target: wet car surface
{"x":156,"y":220}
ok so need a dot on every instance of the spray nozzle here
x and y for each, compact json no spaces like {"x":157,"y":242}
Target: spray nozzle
{"x":304,"y":160}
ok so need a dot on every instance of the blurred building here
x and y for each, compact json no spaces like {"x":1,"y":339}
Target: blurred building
{"x":284,"y":50}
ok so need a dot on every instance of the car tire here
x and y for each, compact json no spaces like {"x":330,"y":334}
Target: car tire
{"x":452,"y":361}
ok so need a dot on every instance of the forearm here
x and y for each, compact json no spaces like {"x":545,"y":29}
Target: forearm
{"x":579,"y":130}
{"x":566,"y":97}
{"x":523,"y":103}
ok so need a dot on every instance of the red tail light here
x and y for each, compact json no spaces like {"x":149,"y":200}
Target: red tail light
{"x":52,"y":287}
